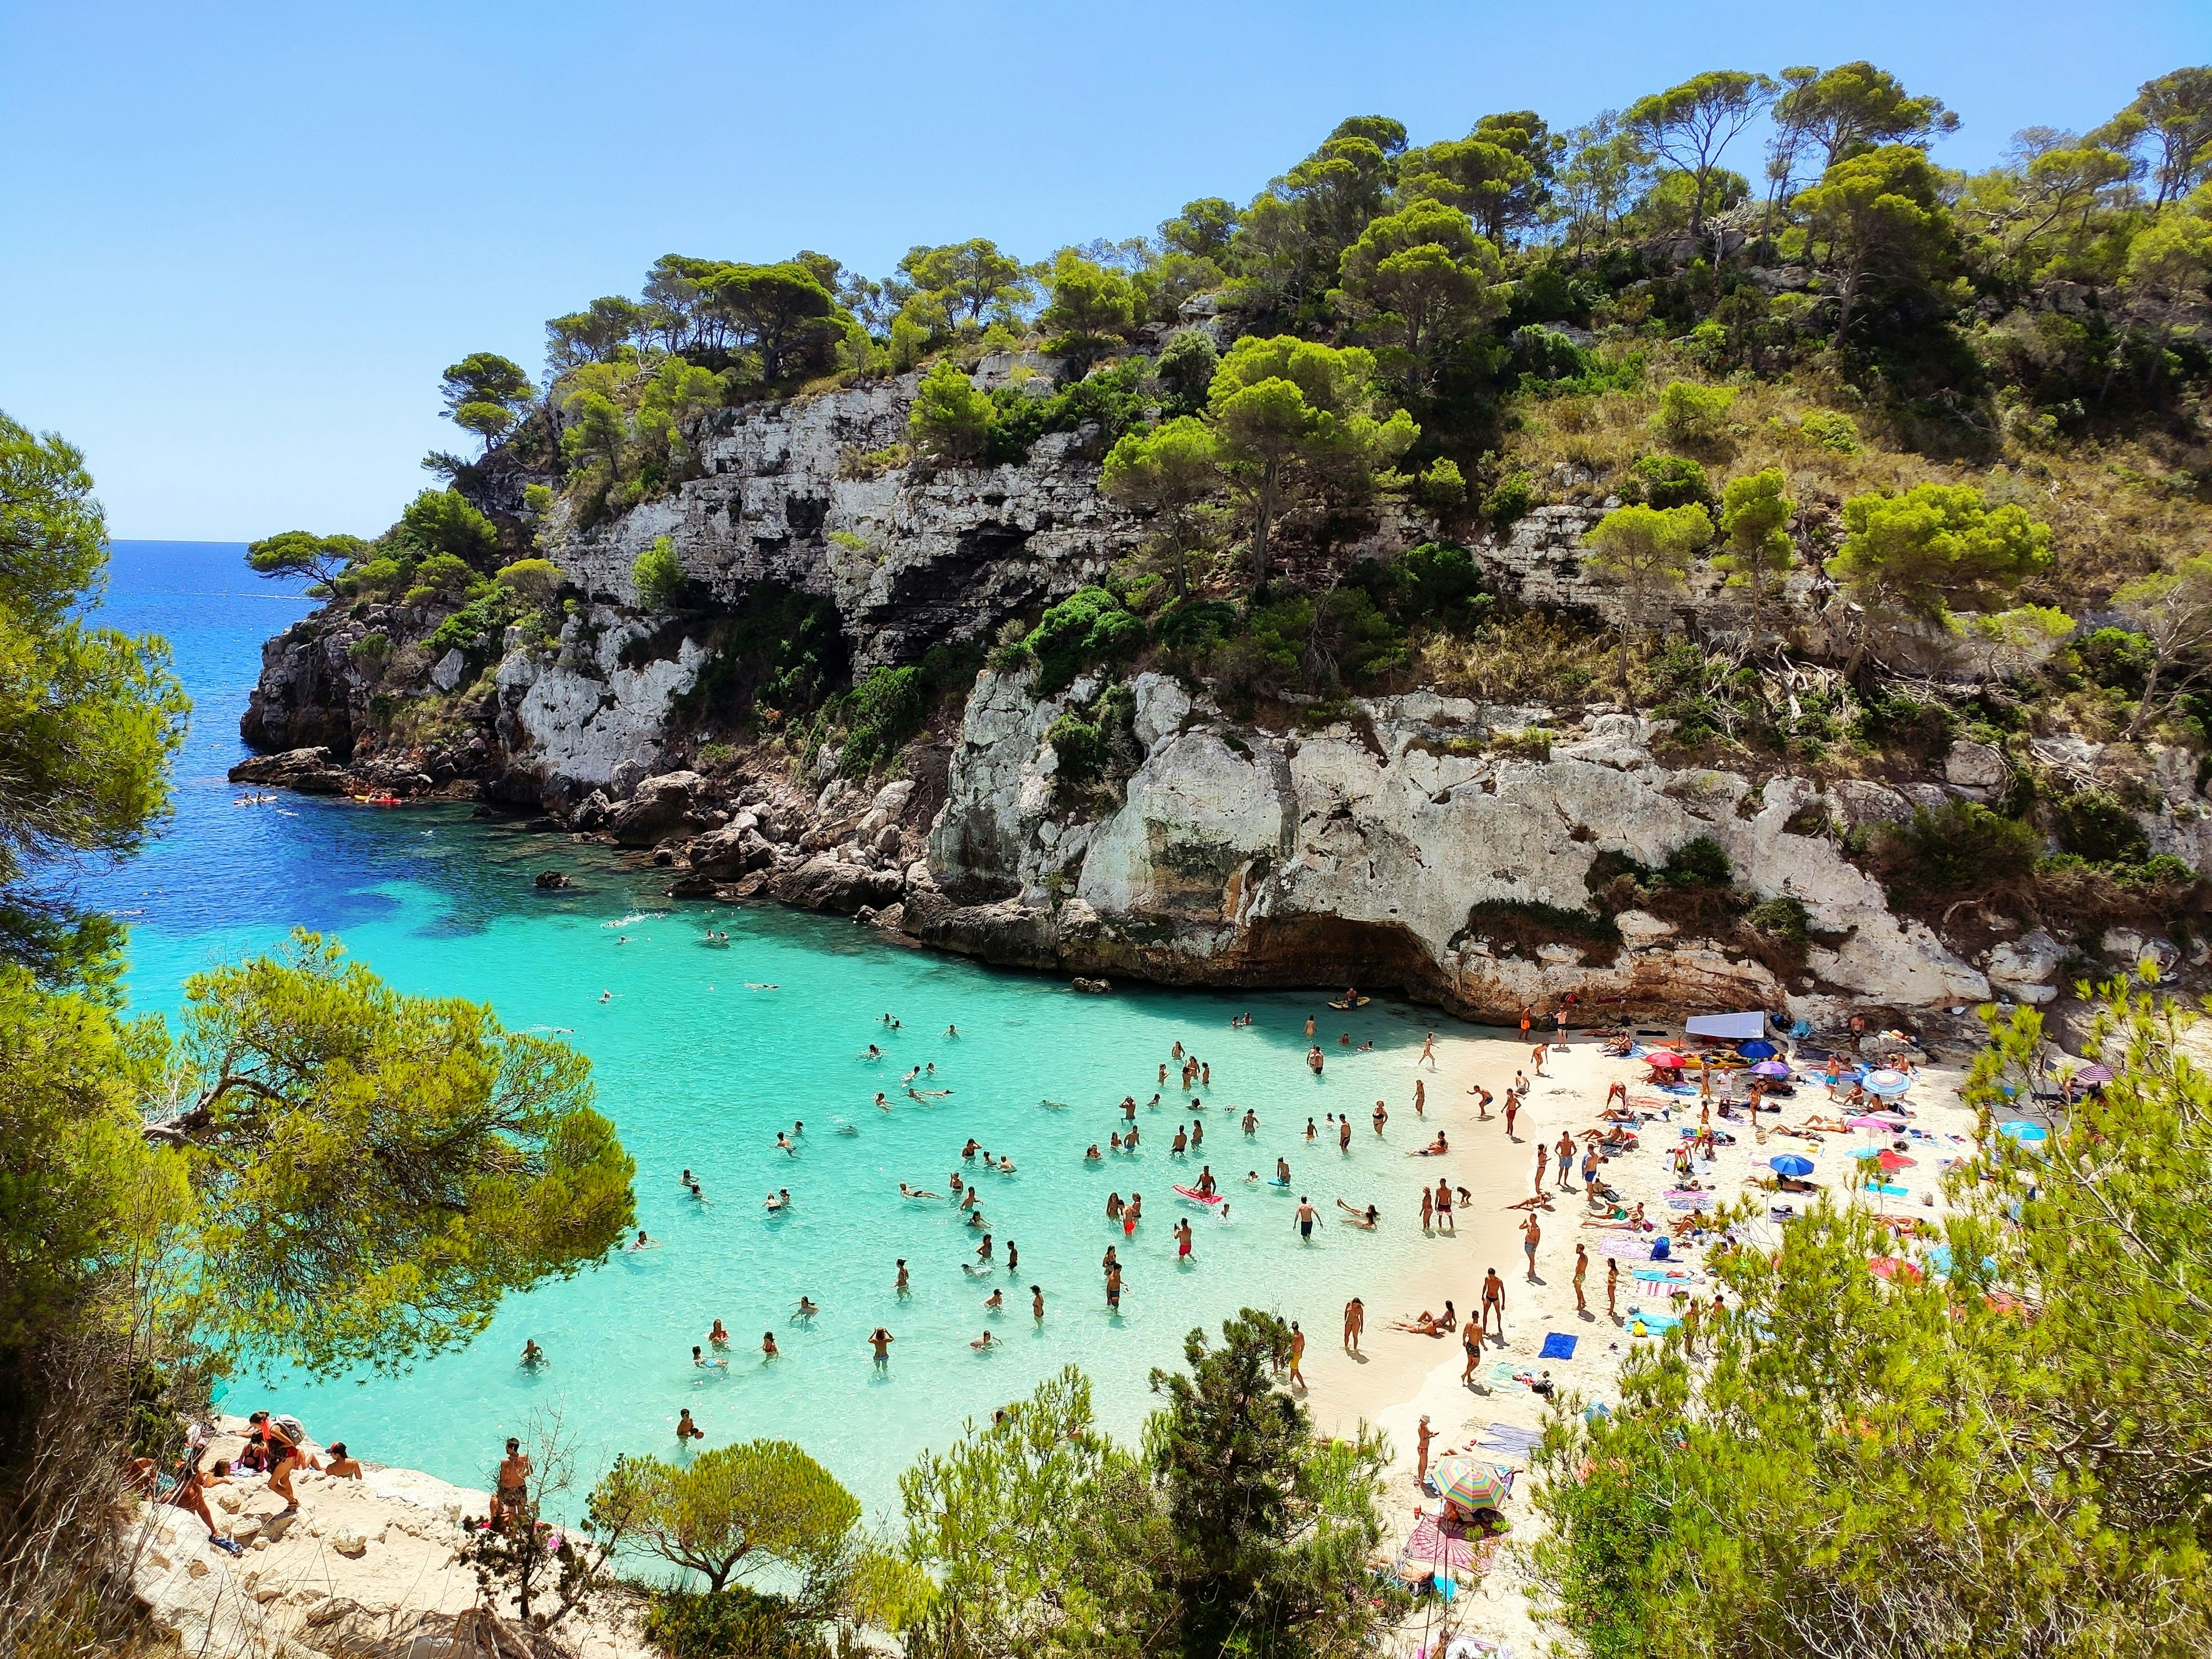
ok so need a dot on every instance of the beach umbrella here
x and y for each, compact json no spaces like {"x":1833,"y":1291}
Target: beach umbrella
{"x":2021,"y":1130}
{"x":2093,"y":1074}
{"x":1472,"y":1483}
{"x":1664,"y":1059}
{"x":1892,"y":1160}
{"x":1770,"y":1068}
{"x":1883,"y":1081}
{"x":1888,"y":1267}
{"x":1756,"y":1049}
{"x":1871,"y":1122}
{"x":1789,"y":1164}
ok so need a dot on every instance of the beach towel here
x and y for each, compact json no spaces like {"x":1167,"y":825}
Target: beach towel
{"x":1625,"y":1248}
{"x":1557,"y":1345}
{"x":1510,"y":1437}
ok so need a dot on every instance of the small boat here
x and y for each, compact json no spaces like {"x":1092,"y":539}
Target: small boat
{"x":1351,"y":1002}
{"x":377,"y":801}
{"x":1196,"y":1196}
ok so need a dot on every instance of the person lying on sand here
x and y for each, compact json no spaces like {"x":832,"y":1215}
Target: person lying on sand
{"x":1423,"y":1323}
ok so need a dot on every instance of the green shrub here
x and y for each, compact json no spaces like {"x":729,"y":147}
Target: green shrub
{"x":1185,"y":371}
{"x":1080,"y":749}
{"x":1531,"y":743}
{"x":1089,"y":626}
{"x":483,"y":617}
{"x":950,"y":421}
{"x":736,"y":1623}
{"x":2094,"y":825}
{"x":1664,"y":481}
{"x":1784,"y":918}
{"x":1113,"y":400}
{"x":1833,"y":430}
{"x":1958,"y":851}
{"x":1437,"y":580}
{"x":1693,"y":414}
{"x":1508,"y":500}
{"x":659,"y":576}
{"x":371,"y":651}
{"x":1442,"y":488}
{"x":1701,"y":863}
{"x":884,"y":714}
{"x":780,"y":648}
{"x":536,"y":582}
{"x":2116,"y":659}
{"x":1197,"y":625}
{"x":375,"y":579}
{"x":857,"y":464}
{"x":1352,"y":632}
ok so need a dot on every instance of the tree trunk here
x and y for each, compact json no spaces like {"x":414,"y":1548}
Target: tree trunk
{"x":1627,"y":694}
{"x":1263,"y":513}
{"x":2143,"y":703}
{"x":1849,"y":297}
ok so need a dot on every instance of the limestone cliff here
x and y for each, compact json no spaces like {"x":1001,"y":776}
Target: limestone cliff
{"x":1371,"y":850}
{"x":1417,"y":842}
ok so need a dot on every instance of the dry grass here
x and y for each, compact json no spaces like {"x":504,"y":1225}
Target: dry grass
{"x":2117,"y":509}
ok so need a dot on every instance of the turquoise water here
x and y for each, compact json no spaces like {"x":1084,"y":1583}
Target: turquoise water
{"x":699,"y":1071}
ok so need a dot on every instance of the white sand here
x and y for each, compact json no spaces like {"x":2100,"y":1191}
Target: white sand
{"x":1400,"y":1376}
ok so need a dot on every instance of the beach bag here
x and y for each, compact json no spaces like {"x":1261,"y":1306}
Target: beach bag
{"x":1663,"y":1247}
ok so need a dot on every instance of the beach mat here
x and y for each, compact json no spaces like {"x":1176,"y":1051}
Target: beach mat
{"x":1626,"y":1247}
{"x":1511,"y":1437}
{"x":1557,"y":1345}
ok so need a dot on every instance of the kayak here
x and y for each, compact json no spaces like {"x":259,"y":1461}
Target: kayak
{"x":1197,"y":1197}
{"x":1357,"y":1002}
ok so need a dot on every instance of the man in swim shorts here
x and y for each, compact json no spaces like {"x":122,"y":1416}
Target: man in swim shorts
{"x":1305,"y":1218}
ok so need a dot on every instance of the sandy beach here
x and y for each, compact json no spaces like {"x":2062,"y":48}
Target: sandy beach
{"x":1398,"y":1377}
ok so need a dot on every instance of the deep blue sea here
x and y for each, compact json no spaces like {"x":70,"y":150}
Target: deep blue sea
{"x":700,"y":1068}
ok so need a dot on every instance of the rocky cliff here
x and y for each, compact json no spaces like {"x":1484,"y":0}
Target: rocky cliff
{"x":1418,"y":842}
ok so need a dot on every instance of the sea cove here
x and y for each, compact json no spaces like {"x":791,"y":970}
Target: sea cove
{"x":699,"y":1071}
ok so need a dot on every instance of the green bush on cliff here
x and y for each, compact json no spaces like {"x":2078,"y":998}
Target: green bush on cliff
{"x":1089,"y":626}
{"x":659,"y":576}
{"x":884,"y":713}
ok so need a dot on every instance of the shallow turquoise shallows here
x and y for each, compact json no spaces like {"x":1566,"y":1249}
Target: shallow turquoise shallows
{"x":700,"y":1068}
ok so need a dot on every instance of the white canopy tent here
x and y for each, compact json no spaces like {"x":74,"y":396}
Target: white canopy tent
{"x":1733,"y":1028}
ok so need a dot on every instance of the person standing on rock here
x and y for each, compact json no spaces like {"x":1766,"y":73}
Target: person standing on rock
{"x":510,"y":1497}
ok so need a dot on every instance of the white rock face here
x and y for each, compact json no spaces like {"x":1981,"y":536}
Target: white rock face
{"x":584,"y":720}
{"x":1230,"y":840}
{"x":939,"y":559}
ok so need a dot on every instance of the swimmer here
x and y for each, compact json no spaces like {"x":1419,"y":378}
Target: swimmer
{"x":1036,"y":1303}
{"x":881,"y":1104}
{"x":772,"y":1202}
{"x":1251,"y":1177}
{"x":686,"y":1429}
{"x":705,"y":1364}
{"x":984,"y":1343}
{"x":882,"y":1340}
{"x":995,"y":1301}
{"x":1312,"y":1133}
{"x":806,"y":1308}
{"x":644,"y":1243}
{"x":906,"y":1191}
{"x":1354,"y":1218}
{"x":606,"y":996}
{"x":1382,"y":1116}
{"x":783,"y":1145}
{"x":768,"y":1350}
{"x":952,"y":1030}
{"x":532,"y":1355}
{"x":1092,"y":1154}
{"x":1251,"y":1122}
{"x":1283,"y":1170}
{"x":690,"y":1184}
{"x":902,"y":1287}
{"x":874,"y":1053}
{"x":1313,"y":1061}
{"x":718,"y":1336}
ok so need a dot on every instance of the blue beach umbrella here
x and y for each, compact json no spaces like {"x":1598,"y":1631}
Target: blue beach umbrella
{"x":1755,"y":1049}
{"x":1789,"y":1164}
{"x":2021,"y":1130}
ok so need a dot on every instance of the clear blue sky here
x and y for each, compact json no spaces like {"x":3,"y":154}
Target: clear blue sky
{"x":238,"y":243}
